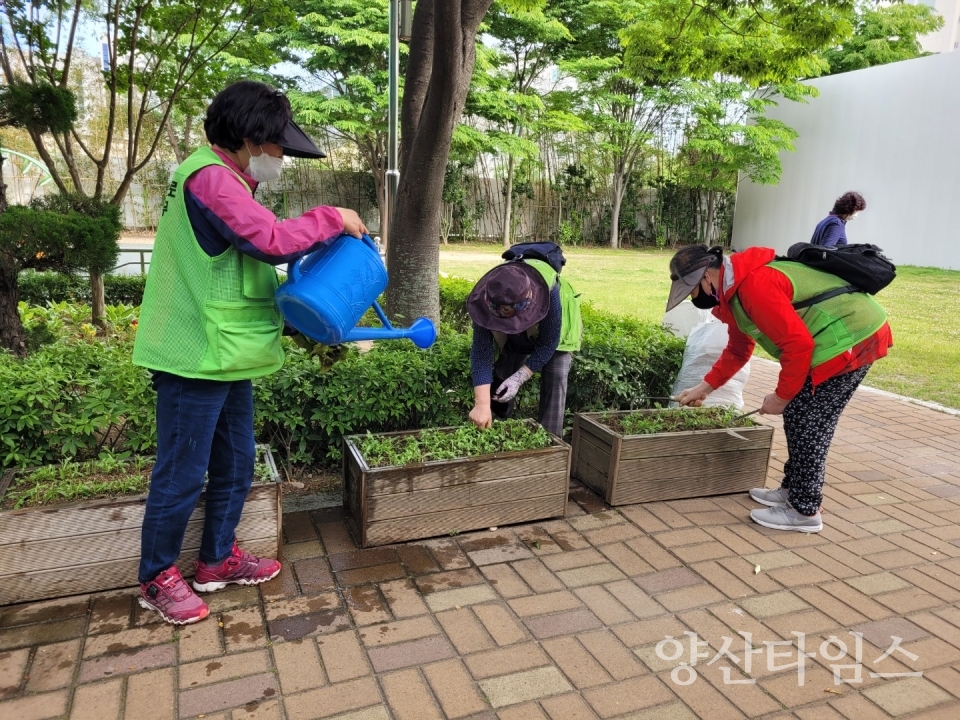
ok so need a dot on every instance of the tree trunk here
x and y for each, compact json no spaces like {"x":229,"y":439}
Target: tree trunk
{"x":439,"y":67}
{"x":11,"y":329}
{"x":97,"y":300}
{"x":174,"y":143}
{"x":508,"y":208}
{"x":711,"y":213}
{"x":619,"y":186}
{"x":3,"y":187}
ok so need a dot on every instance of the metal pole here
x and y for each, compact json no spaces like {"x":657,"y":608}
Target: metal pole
{"x":392,"y":179}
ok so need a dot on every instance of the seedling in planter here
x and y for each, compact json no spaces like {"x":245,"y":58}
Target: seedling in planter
{"x":464,"y":441}
{"x":649,"y":422}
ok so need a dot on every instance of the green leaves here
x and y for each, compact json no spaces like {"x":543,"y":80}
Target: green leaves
{"x":884,"y":34}
{"x":461,"y":442}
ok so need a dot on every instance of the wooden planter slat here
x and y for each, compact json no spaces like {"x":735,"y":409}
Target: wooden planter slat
{"x":467,"y":518}
{"x":254,"y":523}
{"x":396,"y":504}
{"x":434,"y":500}
{"x":99,"y":576}
{"x":48,"y":552}
{"x":626,"y":469}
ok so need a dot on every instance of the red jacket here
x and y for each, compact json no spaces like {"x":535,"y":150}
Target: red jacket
{"x":766,"y":296}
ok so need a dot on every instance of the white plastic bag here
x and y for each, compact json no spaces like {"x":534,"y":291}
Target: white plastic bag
{"x":684,"y":317}
{"x":704,"y":346}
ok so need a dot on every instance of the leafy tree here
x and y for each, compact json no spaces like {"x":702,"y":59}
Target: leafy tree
{"x":158,"y":53}
{"x":728,"y":135}
{"x":511,"y":92}
{"x":342,"y":47}
{"x":65,"y":233}
{"x":39,"y":108}
{"x":884,"y":34}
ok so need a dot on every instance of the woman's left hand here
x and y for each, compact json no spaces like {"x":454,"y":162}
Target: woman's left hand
{"x":773,"y":405}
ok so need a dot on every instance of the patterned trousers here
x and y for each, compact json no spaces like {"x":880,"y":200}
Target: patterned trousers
{"x":809,"y":421}
{"x":553,"y":387}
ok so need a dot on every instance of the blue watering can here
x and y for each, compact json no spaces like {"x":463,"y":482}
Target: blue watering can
{"x":328,"y":291}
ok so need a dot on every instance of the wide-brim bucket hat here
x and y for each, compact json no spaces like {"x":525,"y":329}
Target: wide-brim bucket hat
{"x":515,"y":289}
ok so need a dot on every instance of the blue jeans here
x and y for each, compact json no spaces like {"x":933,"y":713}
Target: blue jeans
{"x":203,"y":427}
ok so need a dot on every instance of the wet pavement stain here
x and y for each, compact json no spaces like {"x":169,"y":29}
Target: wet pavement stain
{"x":241,"y":631}
{"x":212,"y":666}
{"x":303,"y":625}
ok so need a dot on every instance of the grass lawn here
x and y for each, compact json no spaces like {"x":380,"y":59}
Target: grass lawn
{"x":924,"y":362}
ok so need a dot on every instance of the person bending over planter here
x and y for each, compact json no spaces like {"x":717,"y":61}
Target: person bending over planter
{"x":825,"y":350}
{"x":208,"y":325}
{"x":525,"y":320}
{"x":832,"y":230}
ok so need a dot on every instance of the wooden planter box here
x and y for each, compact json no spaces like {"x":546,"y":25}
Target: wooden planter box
{"x":627,"y":469}
{"x":94,"y":545}
{"x":399,"y":503}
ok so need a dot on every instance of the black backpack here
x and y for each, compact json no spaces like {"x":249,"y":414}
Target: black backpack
{"x":863,"y":266}
{"x":549,"y":252}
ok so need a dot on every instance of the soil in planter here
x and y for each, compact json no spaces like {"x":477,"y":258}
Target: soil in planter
{"x":71,"y":482}
{"x":464,"y":441}
{"x":648,"y":422}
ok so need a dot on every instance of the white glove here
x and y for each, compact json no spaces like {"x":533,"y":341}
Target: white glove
{"x":509,"y":387}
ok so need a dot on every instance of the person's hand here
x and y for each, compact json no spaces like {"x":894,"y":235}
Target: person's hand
{"x":481,"y":416}
{"x":773,"y":404}
{"x":352,"y":224}
{"x":694,"y":397}
{"x":508,"y":388}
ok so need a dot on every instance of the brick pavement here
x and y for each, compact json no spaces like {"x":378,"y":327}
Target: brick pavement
{"x":559,"y":620}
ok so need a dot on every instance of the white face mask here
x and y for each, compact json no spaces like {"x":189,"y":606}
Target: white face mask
{"x":263,"y":167}
{"x":854,"y":215}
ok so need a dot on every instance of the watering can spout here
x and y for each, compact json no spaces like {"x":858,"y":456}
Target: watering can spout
{"x":422,"y":333}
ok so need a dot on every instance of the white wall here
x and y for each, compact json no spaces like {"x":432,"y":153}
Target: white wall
{"x":891,"y":133}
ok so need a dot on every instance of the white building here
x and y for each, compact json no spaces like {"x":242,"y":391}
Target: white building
{"x":888,"y":132}
{"x":947,"y":38}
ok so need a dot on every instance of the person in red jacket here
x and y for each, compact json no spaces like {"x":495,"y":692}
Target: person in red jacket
{"x":825,"y":350}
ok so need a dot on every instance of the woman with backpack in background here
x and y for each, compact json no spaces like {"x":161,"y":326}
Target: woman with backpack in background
{"x":525,"y":320}
{"x":832,"y":230}
{"x":825,"y":349}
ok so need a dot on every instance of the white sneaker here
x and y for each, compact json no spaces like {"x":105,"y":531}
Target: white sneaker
{"x":784,"y":517}
{"x":770,"y":498}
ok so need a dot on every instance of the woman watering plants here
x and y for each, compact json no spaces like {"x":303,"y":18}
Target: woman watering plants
{"x":208,"y":325}
{"x":525,"y":320}
{"x":825,"y":350}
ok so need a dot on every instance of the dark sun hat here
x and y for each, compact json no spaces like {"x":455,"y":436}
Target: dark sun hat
{"x":510,"y":298}
{"x":687,"y":268}
{"x":295,"y":143}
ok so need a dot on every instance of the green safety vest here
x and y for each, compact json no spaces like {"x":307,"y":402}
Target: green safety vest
{"x":836,"y":324}
{"x":571,"y":323}
{"x":205,"y":317}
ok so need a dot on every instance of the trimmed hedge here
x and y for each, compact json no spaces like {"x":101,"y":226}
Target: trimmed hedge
{"x":79,"y":396}
{"x":43,"y":288}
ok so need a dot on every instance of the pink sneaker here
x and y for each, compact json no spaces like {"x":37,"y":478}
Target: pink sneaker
{"x":241,"y":568}
{"x":170,"y":596}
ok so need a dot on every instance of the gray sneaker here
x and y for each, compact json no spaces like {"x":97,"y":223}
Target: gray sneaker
{"x":784,"y":517}
{"x":770,"y":498}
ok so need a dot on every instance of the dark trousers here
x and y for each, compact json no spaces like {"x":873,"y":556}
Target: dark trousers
{"x":553,"y":387}
{"x":809,"y":421}
{"x":204,"y":427}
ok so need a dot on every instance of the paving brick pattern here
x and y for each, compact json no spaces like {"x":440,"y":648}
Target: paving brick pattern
{"x":666,"y":610}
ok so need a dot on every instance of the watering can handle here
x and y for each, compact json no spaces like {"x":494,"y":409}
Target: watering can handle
{"x":370,"y":243}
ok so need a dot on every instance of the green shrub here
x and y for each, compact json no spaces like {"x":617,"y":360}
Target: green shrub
{"x":304,"y":411}
{"x":42,"y":288}
{"x":79,"y":396}
{"x":76,"y":398}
